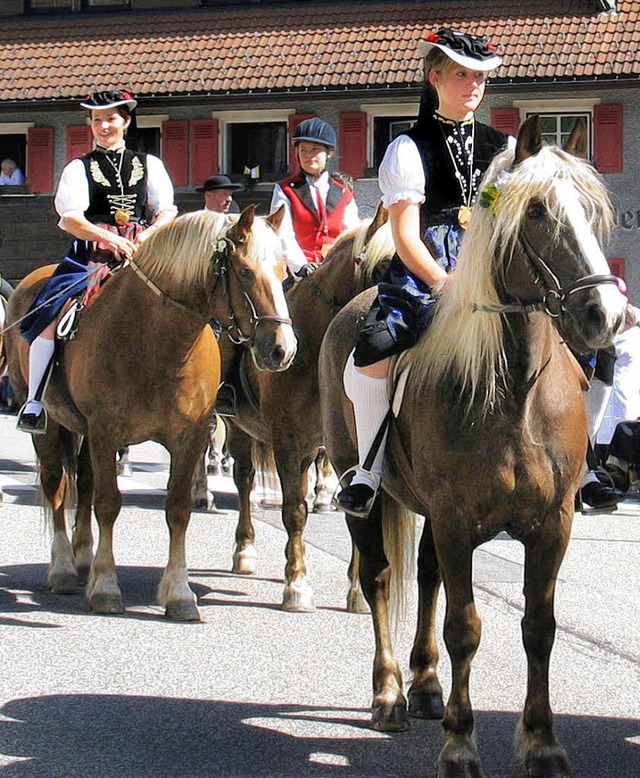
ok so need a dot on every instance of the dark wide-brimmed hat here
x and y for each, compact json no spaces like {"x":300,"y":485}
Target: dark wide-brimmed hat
{"x":109,"y":99}
{"x":471,"y":51}
{"x":218,"y":182}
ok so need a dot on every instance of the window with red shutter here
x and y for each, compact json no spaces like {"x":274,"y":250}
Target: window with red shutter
{"x":506,"y":120}
{"x":352,"y":143}
{"x":175,"y":150}
{"x":39,"y":172}
{"x":618,"y":267}
{"x":79,"y":141}
{"x":204,"y":150}
{"x":294,"y":121}
{"x":607,"y":138}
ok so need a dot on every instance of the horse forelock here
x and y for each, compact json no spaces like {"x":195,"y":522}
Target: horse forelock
{"x":178,"y":255}
{"x":466,"y":345}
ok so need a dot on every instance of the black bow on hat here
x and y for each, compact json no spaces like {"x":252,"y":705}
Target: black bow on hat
{"x":109,"y":99}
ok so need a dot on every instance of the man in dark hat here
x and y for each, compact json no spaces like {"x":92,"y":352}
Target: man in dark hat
{"x":218,"y":194}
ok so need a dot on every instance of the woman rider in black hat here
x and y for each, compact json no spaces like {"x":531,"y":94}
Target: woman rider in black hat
{"x":109,"y":201}
{"x":429,"y":178}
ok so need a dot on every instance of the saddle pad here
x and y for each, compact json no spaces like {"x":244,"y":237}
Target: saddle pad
{"x":399,"y":374}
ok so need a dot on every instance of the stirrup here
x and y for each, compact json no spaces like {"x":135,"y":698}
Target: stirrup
{"x":226,"y":400}
{"x":35,"y":423}
{"x":344,"y":482}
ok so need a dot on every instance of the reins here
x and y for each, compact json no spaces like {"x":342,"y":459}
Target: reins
{"x":553,"y":302}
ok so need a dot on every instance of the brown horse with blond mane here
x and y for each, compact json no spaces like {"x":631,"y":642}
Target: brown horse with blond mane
{"x":282,"y":411}
{"x":145,"y":365}
{"x":490,"y":436}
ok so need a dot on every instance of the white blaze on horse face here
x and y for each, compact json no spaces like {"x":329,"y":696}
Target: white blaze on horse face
{"x":280,"y":301}
{"x":612,"y":300}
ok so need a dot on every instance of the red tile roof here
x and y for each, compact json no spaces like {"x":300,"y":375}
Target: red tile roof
{"x":305,"y":47}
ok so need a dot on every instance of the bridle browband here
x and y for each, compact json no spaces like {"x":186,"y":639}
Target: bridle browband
{"x":220,"y":260}
{"x":553,"y":301}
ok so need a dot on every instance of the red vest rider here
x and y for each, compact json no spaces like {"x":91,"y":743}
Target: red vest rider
{"x":318,"y":209}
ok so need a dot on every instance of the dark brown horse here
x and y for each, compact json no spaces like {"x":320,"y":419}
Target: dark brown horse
{"x":145,"y":365}
{"x":490,"y":436}
{"x":282,"y":410}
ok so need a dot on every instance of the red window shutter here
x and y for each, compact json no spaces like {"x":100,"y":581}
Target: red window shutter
{"x":618,"y":268}
{"x":506,"y":120}
{"x":607,"y":138}
{"x":294,"y":121}
{"x":79,"y":141}
{"x":175,"y":150}
{"x":40,"y":159}
{"x":204,"y":149}
{"x":353,"y":143}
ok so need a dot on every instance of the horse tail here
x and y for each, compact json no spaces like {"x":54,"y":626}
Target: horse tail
{"x":399,"y":534}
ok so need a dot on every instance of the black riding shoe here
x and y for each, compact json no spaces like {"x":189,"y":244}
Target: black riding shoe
{"x":356,"y":500}
{"x":600,"y":497}
{"x":35,"y":423}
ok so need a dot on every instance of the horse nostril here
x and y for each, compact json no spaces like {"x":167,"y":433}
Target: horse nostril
{"x":595,"y":318}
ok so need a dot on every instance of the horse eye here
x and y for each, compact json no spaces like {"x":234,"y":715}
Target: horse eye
{"x":536,"y":211}
{"x":245,"y":272}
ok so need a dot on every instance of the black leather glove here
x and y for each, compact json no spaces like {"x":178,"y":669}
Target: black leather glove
{"x":306,"y":270}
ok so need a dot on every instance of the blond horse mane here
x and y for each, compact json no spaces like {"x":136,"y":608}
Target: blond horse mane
{"x":367,"y":254}
{"x":178,"y":255}
{"x":465,"y":345}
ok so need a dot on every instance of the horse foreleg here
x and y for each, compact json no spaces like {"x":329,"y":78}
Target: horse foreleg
{"x":103,"y":591}
{"x":322,"y":489}
{"x":62,"y":577}
{"x":459,"y":757}
{"x":244,"y":554}
{"x":293,"y":470}
{"x":174,"y":592}
{"x":538,"y":746}
{"x":389,"y":706}
{"x":82,"y":539}
{"x":425,"y":694}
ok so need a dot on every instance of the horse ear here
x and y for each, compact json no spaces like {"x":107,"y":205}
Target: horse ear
{"x":529,"y":139}
{"x":275,"y":219}
{"x":577,"y":142}
{"x":245,"y":222}
{"x":380,"y":218}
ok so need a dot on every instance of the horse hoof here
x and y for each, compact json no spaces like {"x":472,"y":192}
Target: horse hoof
{"x":322,"y":507}
{"x":214,"y":470}
{"x":106,"y":604}
{"x":555,"y":766}
{"x":125,"y":470}
{"x":66,"y":583}
{"x":426,"y":706}
{"x":298,"y":598}
{"x":201,"y":504}
{"x":245,"y":562}
{"x":389,"y":719}
{"x":83,"y":575}
{"x":459,"y":760}
{"x":356,"y":603}
{"x":182,"y":611}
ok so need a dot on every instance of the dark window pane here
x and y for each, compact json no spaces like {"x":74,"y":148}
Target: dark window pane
{"x":263,"y":144}
{"x":14,"y":147}
{"x":385,"y":129}
{"x":145,"y":139}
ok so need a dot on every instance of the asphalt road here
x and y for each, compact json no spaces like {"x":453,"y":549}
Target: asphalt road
{"x":252,"y":691}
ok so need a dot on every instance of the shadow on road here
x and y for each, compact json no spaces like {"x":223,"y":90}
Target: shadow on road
{"x":104,"y":736}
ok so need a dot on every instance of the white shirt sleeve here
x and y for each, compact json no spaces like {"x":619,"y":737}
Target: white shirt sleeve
{"x":351,"y":216}
{"x":293,"y":254}
{"x":159,"y":188}
{"x":72,"y":194}
{"x":401,"y":174}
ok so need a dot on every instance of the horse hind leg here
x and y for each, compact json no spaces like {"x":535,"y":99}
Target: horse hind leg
{"x":201,"y":497}
{"x":82,"y":538}
{"x":244,"y":554}
{"x":323,"y":491}
{"x":542,"y":754}
{"x":52,"y":449}
{"x":425,"y":693}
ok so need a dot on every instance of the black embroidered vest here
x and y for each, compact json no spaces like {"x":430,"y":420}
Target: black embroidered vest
{"x":442,"y":187}
{"x":117,"y":182}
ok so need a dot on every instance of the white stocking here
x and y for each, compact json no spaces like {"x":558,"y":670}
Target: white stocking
{"x":40,"y":354}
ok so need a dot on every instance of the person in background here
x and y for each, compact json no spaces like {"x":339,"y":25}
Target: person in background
{"x":318,"y":207}
{"x":109,"y":201}
{"x":10,"y":173}
{"x":218,"y":194}
{"x":429,"y":178}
